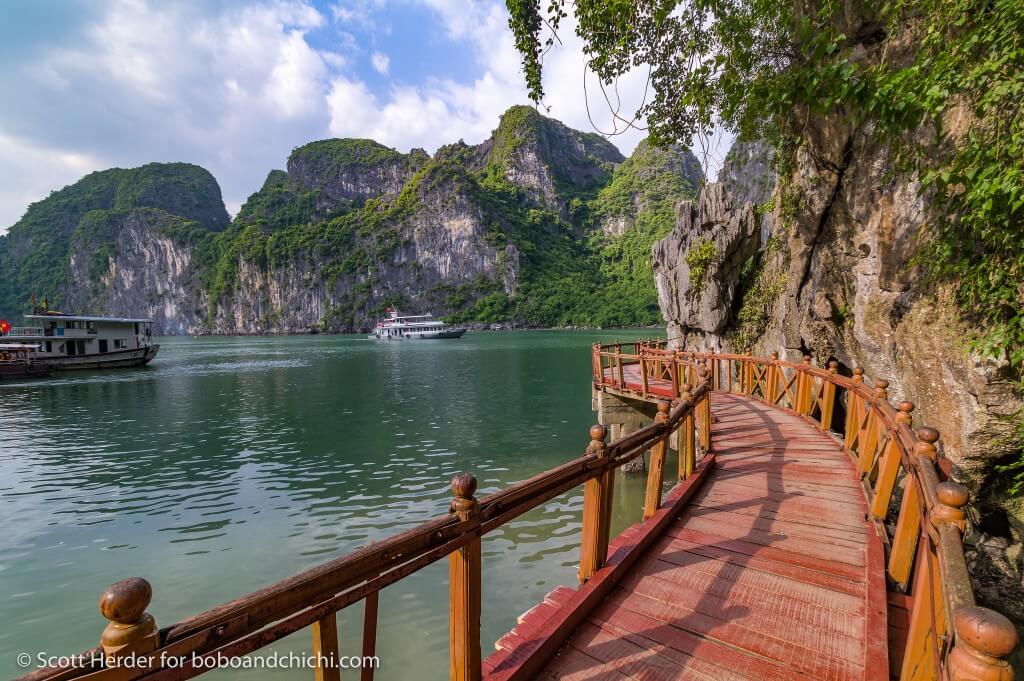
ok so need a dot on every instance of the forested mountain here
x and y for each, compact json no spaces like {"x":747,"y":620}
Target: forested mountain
{"x":540,"y":224}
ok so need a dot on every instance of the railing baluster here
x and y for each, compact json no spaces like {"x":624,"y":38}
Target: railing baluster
{"x":828,"y":396}
{"x":370,"y":604}
{"x":867,"y":441}
{"x":927,"y":619}
{"x":774,"y":377}
{"x":643,"y":371}
{"x":705,"y":411}
{"x":853,"y":407}
{"x":325,"y":649}
{"x":889,"y":466}
{"x":908,"y":525}
{"x":687,"y":440}
{"x":464,"y":568}
{"x":656,"y":471}
{"x":597,"y":505}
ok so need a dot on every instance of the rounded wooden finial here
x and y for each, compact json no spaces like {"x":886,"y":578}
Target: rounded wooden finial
{"x":131,"y":628}
{"x":952,"y":494}
{"x":807,"y":359}
{"x":929,"y":435}
{"x":687,"y":388}
{"x":775,"y":354}
{"x":464,"y":485}
{"x":126,"y":600}
{"x":985,"y":630}
{"x":881,"y":388}
{"x":663,"y":406}
{"x":597,"y":432}
{"x":948,"y":511}
{"x":833,"y":366}
{"x":905,"y":406}
{"x":858,"y":375}
{"x":903,"y":415}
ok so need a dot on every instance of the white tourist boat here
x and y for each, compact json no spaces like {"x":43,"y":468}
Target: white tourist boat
{"x":413,"y":327}
{"x":66,"y":341}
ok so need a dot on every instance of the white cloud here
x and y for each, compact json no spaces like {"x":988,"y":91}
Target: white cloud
{"x":27,"y":166}
{"x":381,"y":63}
{"x":237,"y":89}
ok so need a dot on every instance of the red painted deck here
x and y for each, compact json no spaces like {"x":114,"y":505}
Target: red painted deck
{"x":763,"y":575}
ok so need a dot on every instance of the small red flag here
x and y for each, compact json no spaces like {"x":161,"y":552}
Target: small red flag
{"x":5,"y":326}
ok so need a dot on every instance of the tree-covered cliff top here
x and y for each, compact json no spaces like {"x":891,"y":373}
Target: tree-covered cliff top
{"x":340,"y":153}
{"x":34,"y":253}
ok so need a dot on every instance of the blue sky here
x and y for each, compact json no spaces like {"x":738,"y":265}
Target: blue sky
{"x":234,"y":86}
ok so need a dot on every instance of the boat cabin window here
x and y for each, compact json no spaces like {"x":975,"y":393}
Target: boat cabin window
{"x":120,"y":343}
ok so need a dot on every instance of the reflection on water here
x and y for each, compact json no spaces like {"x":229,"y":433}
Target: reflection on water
{"x":231,"y":463}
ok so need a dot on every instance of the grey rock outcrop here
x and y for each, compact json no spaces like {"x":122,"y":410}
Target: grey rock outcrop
{"x":837,"y":279}
{"x":697,"y":266}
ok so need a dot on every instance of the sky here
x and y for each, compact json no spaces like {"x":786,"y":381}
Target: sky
{"x":234,"y":86}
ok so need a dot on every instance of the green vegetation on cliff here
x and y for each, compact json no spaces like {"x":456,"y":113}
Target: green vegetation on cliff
{"x":34,"y":255}
{"x":939,"y":82}
{"x":538,"y":186}
{"x":540,"y":225}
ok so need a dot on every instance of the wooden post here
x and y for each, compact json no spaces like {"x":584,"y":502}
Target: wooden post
{"x":687,"y":441}
{"x":984,"y":639}
{"x":325,"y":649}
{"x":643,"y":370}
{"x":132,"y":630}
{"x":908,"y":524}
{"x":748,"y":375}
{"x":928,"y":622}
{"x":618,"y":363}
{"x":370,"y":604}
{"x":927,"y":619}
{"x":774,"y":376}
{"x":804,"y":385}
{"x":867,"y":441}
{"x":889,"y":466}
{"x":828,"y":396}
{"x":656,"y":472}
{"x":464,"y":589}
{"x":853,"y":410}
{"x":705,"y":412}
{"x":672,"y":364}
{"x":597,"y":512}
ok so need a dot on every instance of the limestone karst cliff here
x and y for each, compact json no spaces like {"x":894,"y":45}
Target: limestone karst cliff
{"x":539,"y":224}
{"x":837,"y":279}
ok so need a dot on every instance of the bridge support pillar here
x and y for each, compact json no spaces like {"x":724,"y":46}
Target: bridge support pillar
{"x":623,"y":416}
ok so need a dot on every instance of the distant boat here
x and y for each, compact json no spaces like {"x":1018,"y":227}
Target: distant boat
{"x":414,"y":327}
{"x":64,"y":341}
{"x":20,"y":360}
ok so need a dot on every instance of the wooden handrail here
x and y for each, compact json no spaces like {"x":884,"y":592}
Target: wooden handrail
{"x":313,"y":597}
{"x":950,"y":637}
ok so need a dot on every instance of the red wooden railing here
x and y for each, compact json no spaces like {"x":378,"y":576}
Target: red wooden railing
{"x":915,"y":508}
{"x":312,"y":598}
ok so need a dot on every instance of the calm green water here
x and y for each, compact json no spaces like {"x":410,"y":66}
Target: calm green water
{"x":231,"y":463}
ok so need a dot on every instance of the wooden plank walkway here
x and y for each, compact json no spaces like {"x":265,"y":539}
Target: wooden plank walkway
{"x":766,"y":573}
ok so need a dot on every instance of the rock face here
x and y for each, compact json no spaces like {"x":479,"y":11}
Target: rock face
{"x":835,"y":278}
{"x":84,"y":223}
{"x":547,"y":159}
{"x":500,"y":231}
{"x":697,"y":266}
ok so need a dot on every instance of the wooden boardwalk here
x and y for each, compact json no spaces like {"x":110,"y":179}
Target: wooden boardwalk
{"x":818,"y":537}
{"x":764,"y":575}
